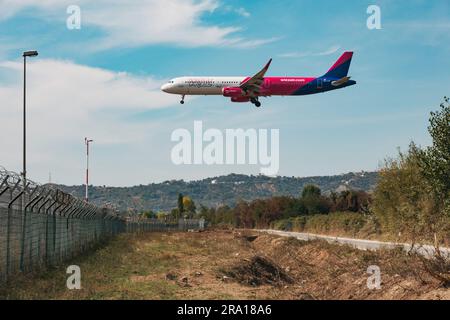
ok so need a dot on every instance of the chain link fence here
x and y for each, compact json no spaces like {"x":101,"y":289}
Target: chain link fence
{"x":42,"y":226}
{"x":138,"y":224}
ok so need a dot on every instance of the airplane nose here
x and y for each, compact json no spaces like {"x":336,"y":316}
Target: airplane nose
{"x":165,"y":87}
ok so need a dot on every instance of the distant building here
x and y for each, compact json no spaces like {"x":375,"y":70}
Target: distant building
{"x":342,"y":187}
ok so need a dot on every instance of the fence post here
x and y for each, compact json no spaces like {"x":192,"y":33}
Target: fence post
{"x":46,"y":226}
{"x":39,"y":233}
{"x":24,"y":226}
{"x":8,"y":232}
{"x":54,"y":233}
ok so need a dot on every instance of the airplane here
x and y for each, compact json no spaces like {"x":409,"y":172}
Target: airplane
{"x":250,"y":89}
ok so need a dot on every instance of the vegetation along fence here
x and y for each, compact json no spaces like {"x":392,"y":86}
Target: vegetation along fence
{"x":42,"y":226}
{"x":155,"y":225}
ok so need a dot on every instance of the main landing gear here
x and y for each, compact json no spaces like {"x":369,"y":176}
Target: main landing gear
{"x":182,"y":99}
{"x":256,"y":102}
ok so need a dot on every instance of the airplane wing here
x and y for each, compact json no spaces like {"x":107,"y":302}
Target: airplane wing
{"x":253,"y":84}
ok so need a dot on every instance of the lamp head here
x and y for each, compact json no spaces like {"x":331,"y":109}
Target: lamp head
{"x":32,"y":53}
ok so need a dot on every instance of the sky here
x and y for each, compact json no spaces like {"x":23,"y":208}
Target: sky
{"x":103,"y":81}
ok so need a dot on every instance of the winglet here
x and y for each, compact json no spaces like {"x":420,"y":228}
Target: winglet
{"x":268,"y":65}
{"x":257,"y":78}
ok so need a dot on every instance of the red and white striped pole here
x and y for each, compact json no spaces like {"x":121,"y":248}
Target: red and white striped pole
{"x":87,"y":141}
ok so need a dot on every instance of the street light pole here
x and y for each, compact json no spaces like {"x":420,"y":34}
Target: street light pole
{"x":87,"y":141}
{"x":25,"y":55}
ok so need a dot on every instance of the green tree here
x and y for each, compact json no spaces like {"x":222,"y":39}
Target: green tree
{"x":189,"y":206}
{"x":350,"y":200}
{"x":434,"y":163}
{"x":399,"y":198}
{"x":204,"y":212}
{"x":435,"y":160}
{"x":149,"y":214}
{"x":311,"y":190}
{"x":413,"y":190}
{"x":161,"y":215}
{"x":180,"y":204}
{"x":313,"y":200}
{"x":225,"y":215}
{"x":175,"y":213}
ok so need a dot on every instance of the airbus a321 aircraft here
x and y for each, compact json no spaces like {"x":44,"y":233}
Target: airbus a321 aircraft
{"x":249,"y":89}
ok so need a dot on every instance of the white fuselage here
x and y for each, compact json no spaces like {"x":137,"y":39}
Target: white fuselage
{"x":201,"y":85}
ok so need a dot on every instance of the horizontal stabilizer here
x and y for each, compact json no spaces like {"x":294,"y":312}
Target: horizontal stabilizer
{"x":340,"y":82}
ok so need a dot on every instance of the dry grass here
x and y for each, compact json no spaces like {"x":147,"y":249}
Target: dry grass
{"x":195,"y":266}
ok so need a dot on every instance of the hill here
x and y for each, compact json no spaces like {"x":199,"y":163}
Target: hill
{"x":223,"y":190}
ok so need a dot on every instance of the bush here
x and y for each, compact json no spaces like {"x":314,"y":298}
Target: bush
{"x":285,"y":224}
{"x":345,"y":223}
{"x":399,"y":198}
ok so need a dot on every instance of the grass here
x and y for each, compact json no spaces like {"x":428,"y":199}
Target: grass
{"x":192,"y":266}
{"x":134,"y":266}
{"x":106,"y":273}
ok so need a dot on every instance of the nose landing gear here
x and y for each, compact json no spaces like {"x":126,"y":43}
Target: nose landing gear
{"x":182,"y":99}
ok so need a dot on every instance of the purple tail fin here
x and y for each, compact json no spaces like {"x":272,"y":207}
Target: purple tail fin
{"x":340,"y":68}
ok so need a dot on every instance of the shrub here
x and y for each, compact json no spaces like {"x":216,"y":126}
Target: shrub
{"x":349,"y":223}
{"x":412,"y":197}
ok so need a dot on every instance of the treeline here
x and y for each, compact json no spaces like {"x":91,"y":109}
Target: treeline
{"x":261,"y":213}
{"x":185,"y":209}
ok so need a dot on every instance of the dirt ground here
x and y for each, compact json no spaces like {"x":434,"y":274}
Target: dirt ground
{"x":230,"y":264}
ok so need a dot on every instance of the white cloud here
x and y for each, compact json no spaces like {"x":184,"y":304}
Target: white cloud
{"x":329,"y":51}
{"x":242,"y":43}
{"x":239,"y":11}
{"x":294,"y":55}
{"x":93,"y":88}
{"x":242,"y":12}
{"x":67,"y":102}
{"x":147,"y":22}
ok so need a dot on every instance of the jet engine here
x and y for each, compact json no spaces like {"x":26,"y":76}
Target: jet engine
{"x":240,"y":99}
{"x":233,"y":92}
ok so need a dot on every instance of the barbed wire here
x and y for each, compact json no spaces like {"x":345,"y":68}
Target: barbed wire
{"x":34,"y":194}
{"x":41,"y":225}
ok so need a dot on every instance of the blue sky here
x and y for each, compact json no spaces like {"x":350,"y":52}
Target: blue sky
{"x":103,"y":81}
